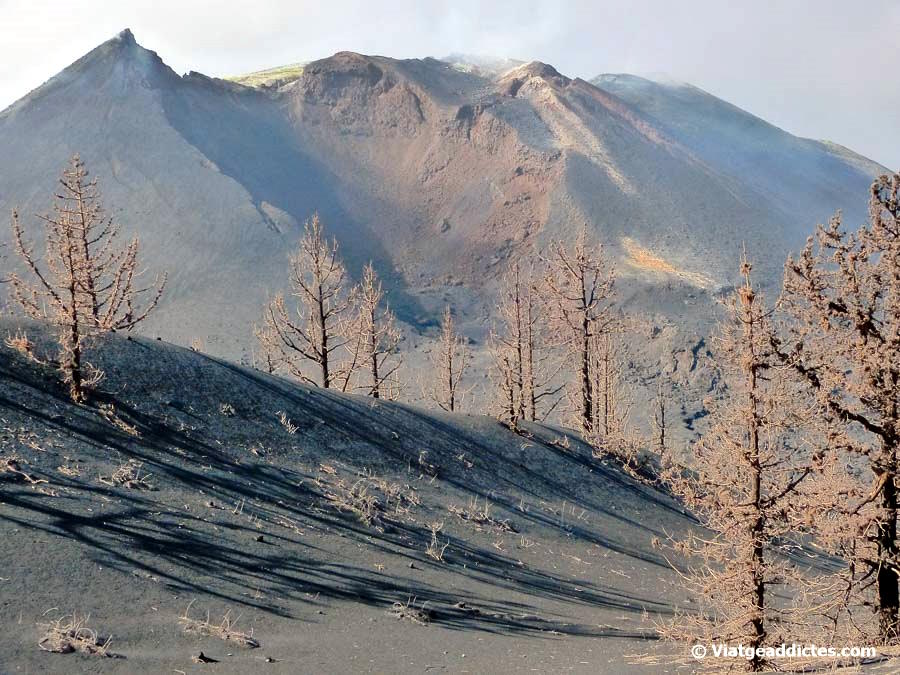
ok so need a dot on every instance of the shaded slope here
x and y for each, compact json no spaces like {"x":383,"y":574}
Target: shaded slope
{"x":207,"y":173}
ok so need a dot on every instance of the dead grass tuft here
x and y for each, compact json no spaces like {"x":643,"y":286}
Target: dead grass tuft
{"x":285,"y":422}
{"x":224,"y":630}
{"x":70,"y":633}
{"x":129,"y":475}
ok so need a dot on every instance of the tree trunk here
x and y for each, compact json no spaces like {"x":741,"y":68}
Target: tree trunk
{"x":531,"y":395}
{"x":376,"y":393}
{"x":76,"y":383}
{"x":587,"y":402}
{"x":451,"y":399}
{"x":73,"y":360}
{"x":520,"y":354}
{"x":607,"y":385}
{"x":323,"y":341}
{"x":757,"y":561}
{"x":888,"y":592}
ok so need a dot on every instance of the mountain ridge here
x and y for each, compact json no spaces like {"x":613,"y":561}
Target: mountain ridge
{"x":438,"y":173}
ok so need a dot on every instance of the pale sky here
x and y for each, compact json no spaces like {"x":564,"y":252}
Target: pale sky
{"x":822,"y":69}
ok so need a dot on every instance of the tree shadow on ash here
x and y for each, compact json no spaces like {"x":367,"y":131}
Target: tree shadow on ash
{"x":187,"y":552}
{"x":400,"y":431}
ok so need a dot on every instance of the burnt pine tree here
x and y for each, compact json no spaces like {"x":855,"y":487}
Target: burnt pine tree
{"x":373,"y":340}
{"x":580,"y":285}
{"x":450,"y":359}
{"x":745,"y":477}
{"x":842,"y":300}
{"x":521,"y":370}
{"x":305,"y":337}
{"x":88,"y":283}
{"x":612,"y":401}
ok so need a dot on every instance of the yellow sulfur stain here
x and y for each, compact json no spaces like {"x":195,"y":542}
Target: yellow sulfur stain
{"x":644,"y":259}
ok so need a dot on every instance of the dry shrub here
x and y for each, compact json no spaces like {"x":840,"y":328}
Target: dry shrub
{"x":20,"y":342}
{"x":69,"y":470}
{"x":70,"y":633}
{"x":435,"y":548}
{"x":92,"y":377}
{"x":12,"y":464}
{"x":399,"y":498}
{"x":108,"y":412}
{"x":481,"y":516}
{"x":425,"y":466}
{"x":357,"y":499}
{"x":224,"y":630}
{"x":408,"y":611}
{"x":129,"y":475}
{"x":371,"y":498}
{"x":328,"y":468}
{"x":563,"y":443}
{"x":629,"y":453}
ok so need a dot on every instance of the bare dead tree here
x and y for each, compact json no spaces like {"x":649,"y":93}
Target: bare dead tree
{"x":746,"y":474}
{"x":580,"y":284}
{"x":521,"y":370}
{"x":449,"y":359}
{"x":265,"y":359}
{"x":612,"y":402}
{"x":507,"y":397}
{"x":89,"y":284}
{"x":306,"y":336}
{"x":842,"y":303}
{"x":376,"y":339}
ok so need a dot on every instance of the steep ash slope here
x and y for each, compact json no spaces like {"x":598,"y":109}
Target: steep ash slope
{"x":311,"y":528}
